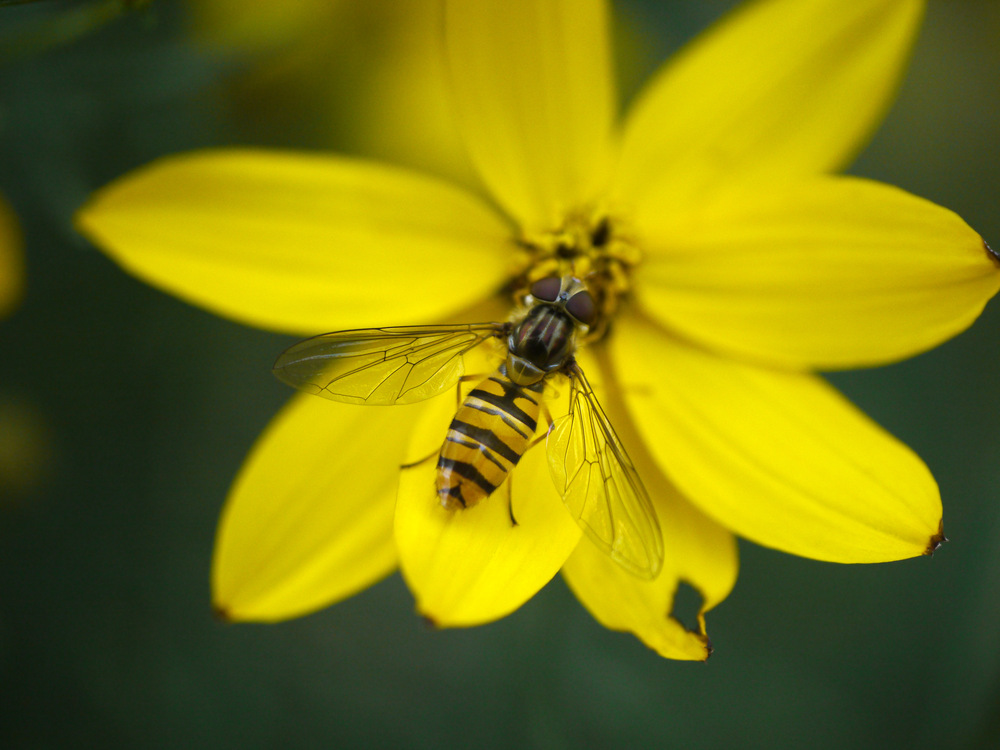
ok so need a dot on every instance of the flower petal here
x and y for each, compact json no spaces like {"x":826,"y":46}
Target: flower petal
{"x":309,"y":519}
{"x":11,"y":271}
{"x":534,"y":97}
{"x":258,"y":27}
{"x":698,"y":552}
{"x":472,"y":566}
{"x":402,"y":107}
{"x":833,"y":272}
{"x":780,"y":458}
{"x":301,"y":243}
{"x":781,"y":88}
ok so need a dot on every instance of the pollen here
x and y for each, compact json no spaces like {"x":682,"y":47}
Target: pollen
{"x":589,"y":244}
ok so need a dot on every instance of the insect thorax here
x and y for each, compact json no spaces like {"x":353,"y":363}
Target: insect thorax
{"x":541,"y":343}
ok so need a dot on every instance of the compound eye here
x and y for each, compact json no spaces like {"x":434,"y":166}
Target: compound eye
{"x":581,"y":306}
{"x":547,"y":289}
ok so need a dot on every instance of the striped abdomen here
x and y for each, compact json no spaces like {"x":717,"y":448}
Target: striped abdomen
{"x":486,"y":439}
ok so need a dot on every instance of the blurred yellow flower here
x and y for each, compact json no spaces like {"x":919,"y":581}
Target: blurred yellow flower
{"x":26,"y":449}
{"x":383,"y":57}
{"x":259,"y":27}
{"x":729,"y":262}
{"x":23,"y":444}
{"x":11,"y":267}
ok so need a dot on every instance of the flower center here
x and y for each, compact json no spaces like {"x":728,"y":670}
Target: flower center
{"x":592,"y":246}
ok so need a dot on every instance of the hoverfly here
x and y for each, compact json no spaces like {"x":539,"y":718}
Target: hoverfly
{"x":494,"y":425}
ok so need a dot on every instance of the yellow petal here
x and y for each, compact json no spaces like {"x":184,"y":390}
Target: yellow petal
{"x":309,"y":518}
{"x":534,"y":98}
{"x":11,"y":270}
{"x":698,"y":552}
{"x":780,"y":458}
{"x":256,"y":27}
{"x":620,"y":601}
{"x":301,"y":243}
{"x":828,"y":273}
{"x":401,"y":103}
{"x":472,"y":566}
{"x":780,"y":88}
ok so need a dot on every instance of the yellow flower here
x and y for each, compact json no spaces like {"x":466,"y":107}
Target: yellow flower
{"x":259,"y":27}
{"x":11,"y":272}
{"x":731,"y":263}
{"x":309,"y":56}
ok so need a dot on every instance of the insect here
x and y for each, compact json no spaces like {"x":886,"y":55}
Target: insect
{"x":495,"y":424}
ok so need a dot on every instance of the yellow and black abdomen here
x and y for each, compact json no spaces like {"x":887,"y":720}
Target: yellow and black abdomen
{"x":490,"y":432}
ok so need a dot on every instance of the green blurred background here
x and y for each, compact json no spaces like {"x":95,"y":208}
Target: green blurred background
{"x":126,"y":414}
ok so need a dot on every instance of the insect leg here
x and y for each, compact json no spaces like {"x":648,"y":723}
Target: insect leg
{"x":547,"y":416}
{"x":510,"y":477}
{"x":419,"y":461}
{"x":536,"y":441}
{"x":510,"y":499}
{"x":458,"y":398}
{"x":458,"y":387}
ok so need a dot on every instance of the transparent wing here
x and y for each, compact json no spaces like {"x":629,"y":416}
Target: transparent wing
{"x":600,"y":485}
{"x":399,"y":365}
